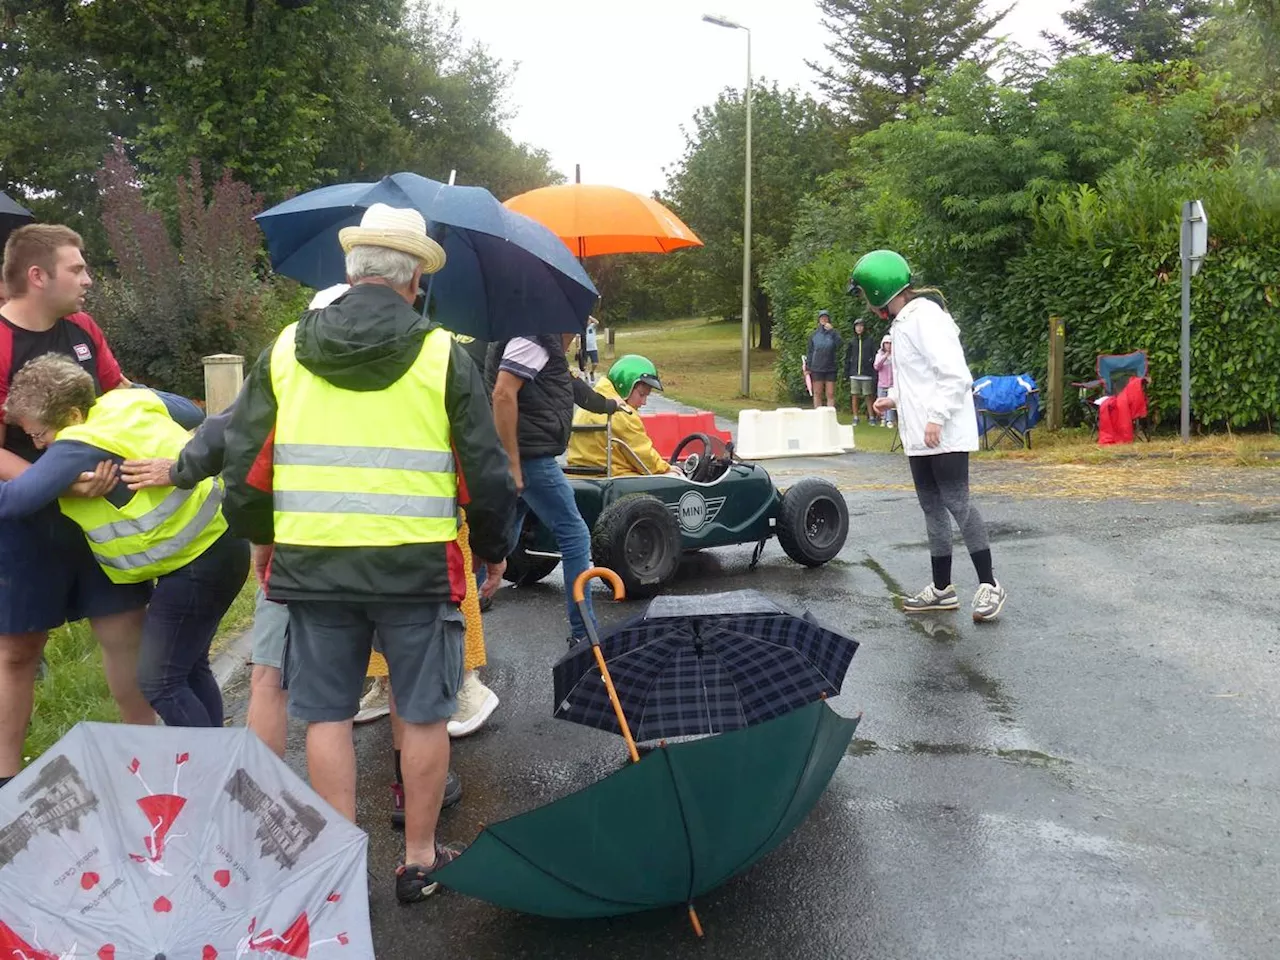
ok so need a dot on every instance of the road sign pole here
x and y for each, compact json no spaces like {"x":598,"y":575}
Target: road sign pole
{"x":1186,"y":348}
{"x":1194,"y":244}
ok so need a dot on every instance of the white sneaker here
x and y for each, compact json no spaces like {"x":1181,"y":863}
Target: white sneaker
{"x":988,"y":601}
{"x":377,"y":702}
{"x":476,"y":703}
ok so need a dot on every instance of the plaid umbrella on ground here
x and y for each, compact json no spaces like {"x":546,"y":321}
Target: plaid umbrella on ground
{"x":704,"y":664}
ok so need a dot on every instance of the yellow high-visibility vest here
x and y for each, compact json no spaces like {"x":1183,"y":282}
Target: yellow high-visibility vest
{"x":359,"y":468}
{"x":161,"y":528}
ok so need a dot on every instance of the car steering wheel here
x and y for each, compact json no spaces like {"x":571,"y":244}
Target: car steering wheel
{"x":700,"y":463}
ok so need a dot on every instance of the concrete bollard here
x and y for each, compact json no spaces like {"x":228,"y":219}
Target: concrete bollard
{"x":608,"y":340}
{"x":223,"y":376}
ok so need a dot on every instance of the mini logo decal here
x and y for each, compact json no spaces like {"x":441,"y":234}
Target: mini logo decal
{"x":83,"y":352}
{"x":694,"y":510}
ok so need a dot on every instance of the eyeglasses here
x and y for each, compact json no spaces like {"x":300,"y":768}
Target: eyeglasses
{"x":44,"y":436}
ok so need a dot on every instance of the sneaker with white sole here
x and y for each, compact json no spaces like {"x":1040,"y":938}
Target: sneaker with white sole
{"x":476,"y":703}
{"x":377,"y":702}
{"x":988,"y":601}
{"x":931,"y":598}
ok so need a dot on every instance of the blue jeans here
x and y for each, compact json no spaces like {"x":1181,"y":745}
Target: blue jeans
{"x":185,"y":610}
{"x":548,"y":494}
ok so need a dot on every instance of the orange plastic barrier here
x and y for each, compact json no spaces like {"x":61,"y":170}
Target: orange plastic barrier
{"x":668,"y":429}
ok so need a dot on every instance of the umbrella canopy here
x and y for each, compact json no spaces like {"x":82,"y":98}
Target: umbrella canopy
{"x":593,"y":219}
{"x":12,"y":216}
{"x":663,"y":831}
{"x":703,"y":664}
{"x":153,"y":842}
{"x":505,"y":276}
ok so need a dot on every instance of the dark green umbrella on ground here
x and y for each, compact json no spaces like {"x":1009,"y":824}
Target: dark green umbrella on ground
{"x":662,"y":831}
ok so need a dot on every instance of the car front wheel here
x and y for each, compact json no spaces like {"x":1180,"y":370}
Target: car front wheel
{"x":639,"y":538}
{"x":813,"y":522}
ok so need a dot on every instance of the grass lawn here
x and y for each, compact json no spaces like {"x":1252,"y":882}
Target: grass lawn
{"x":699,"y":361}
{"x":75,"y":689}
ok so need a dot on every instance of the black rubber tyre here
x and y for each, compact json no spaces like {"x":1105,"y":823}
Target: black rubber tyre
{"x":523,"y":569}
{"x":813,"y":522}
{"x":639,"y":538}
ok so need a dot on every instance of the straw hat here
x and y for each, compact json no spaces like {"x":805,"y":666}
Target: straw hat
{"x":397,"y":229}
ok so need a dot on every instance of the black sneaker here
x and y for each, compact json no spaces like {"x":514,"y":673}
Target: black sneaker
{"x":413,"y":881}
{"x":452,"y":794}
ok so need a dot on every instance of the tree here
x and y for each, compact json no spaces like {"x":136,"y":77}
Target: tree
{"x":885,"y":50}
{"x":795,"y":141}
{"x":1138,"y":30}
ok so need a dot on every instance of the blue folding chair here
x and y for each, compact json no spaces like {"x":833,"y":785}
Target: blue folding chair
{"x":1008,"y":407}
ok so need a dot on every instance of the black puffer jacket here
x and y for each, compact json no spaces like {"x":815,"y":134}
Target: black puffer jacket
{"x":547,"y":401}
{"x":366,"y":340}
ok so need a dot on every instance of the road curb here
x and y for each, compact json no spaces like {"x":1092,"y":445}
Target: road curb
{"x":232,"y":658}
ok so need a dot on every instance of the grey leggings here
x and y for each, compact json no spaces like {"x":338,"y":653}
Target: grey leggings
{"x":942,"y":487}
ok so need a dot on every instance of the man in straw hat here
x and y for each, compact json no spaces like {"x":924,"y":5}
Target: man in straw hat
{"x":347,"y":451}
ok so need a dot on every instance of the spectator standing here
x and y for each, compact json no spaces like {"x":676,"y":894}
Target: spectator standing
{"x":533,"y":398}
{"x":822,"y":358}
{"x":933,"y":392}
{"x":859,"y":364}
{"x":884,"y":377}
{"x":47,"y":574}
{"x":346,"y":451}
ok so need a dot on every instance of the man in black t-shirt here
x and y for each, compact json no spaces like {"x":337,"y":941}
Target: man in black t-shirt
{"x":47,"y":574}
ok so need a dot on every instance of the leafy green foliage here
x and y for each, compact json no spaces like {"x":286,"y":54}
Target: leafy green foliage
{"x":1139,"y":30}
{"x":795,"y":141}
{"x":885,"y":51}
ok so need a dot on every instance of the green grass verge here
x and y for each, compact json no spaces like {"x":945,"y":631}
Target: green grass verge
{"x":74,"y":687}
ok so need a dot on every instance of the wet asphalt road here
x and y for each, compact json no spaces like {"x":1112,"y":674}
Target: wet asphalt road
{"x":1093,"y":776}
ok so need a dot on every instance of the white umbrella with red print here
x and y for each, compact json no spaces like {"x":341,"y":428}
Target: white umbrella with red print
{"x":170,"y":842}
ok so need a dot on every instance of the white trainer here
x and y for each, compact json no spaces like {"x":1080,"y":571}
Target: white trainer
{"x":476,"y":704}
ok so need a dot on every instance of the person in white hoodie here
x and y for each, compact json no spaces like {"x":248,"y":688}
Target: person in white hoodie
{"x":933,"y":394}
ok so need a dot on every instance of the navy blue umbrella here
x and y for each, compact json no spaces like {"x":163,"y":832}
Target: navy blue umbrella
{"x":506,"y":275}
{"x":12,"y":216}
{"x":703,"y":664}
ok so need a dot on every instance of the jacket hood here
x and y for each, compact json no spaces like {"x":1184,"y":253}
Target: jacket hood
{"x":365,"y":340}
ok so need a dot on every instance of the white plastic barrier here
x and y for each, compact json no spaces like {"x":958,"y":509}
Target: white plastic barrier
{"x":791,"y":432}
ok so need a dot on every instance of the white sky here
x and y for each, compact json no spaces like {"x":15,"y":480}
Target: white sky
{"x":608,"y":83}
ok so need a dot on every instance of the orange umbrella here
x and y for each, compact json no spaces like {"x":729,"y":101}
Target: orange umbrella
{"x":592,"y":219}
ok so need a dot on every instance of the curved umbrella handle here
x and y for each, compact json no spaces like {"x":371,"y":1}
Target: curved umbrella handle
{"x":605,"y":574}
{"x":580,"y":598}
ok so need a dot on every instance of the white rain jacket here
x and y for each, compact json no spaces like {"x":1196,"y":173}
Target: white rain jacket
{"x":931,"y":380}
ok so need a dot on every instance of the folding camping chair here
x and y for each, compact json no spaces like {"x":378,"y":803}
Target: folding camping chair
{"x":1114,"y":371}
{"x":1009,"y":407}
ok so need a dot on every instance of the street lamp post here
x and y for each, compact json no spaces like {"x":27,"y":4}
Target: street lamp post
{"x":746,"y":215}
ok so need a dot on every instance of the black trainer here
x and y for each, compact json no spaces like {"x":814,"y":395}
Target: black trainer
{"x":413,"y":881}
{"x":452,"y":794}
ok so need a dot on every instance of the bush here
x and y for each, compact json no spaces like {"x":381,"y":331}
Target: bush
{"x":166,"y":305}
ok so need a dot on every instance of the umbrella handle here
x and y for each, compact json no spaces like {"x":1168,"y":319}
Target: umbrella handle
{"x":604,"y":573}
{"x":580,"y":598}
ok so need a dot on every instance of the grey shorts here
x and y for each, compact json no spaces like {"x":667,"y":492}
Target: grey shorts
{"x":270,"y":631}
{"x":862,"y":386}
{"x":328,"y":654}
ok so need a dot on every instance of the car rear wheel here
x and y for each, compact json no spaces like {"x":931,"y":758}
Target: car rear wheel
{"x":639,"y":537}
{"x":524,"y":568}
{"x":813,"y":522}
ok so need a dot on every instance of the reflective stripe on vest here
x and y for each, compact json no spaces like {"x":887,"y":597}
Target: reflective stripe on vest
{"x":160,"y":529}
{"x":358,"y":468}
{"x":165,"y":550}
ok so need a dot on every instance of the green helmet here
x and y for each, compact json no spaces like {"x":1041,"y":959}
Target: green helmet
{"x":627,"y":371}
{"x":880,"y":276}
